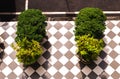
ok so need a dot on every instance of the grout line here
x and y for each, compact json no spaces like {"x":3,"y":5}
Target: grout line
{"x":26,"y":4}
{"x":52,"y":13}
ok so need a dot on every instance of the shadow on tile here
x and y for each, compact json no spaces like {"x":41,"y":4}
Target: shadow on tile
{"x":2,"y":47}
{"x":95,"y":68}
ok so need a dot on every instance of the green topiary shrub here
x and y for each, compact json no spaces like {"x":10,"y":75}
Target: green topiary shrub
{"x":90,"y":21}
{"x":88,"y":47}
{"x":31,"y":24}
{"x":27,"y":51}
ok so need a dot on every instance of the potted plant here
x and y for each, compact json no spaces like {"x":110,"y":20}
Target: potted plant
{"x":90,"y":25}
{"x":30,"y":32}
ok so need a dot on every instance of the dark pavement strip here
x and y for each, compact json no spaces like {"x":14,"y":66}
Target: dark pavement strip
{"x":12,"y":5}
{"x":73,"y":5}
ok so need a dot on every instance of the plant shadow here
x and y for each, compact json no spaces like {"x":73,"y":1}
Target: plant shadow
{"x":38,"y":69}
{"x":95,"y":68}
{"x":2,"y":47}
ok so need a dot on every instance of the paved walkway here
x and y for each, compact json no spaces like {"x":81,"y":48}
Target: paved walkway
{"x":59,"y":60}
{"x":55,"y":5}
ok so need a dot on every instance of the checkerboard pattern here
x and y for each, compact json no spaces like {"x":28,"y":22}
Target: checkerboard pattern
{"x":59,"y":60}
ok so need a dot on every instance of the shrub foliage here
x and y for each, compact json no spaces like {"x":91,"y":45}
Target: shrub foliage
{"x":27,"y":51}
{"x":90,"y":25}
{"x":30,"y":31}
{"x":90,"y":21}
{"x":31,"y":24}
{"x":89,"y":47}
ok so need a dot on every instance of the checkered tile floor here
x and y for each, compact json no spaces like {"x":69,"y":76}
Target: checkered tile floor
{"x":59,"y":60}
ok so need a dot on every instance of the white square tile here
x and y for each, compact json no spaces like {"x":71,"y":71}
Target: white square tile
{"x":86,"y":70}
{"x":75,"y":70}
{"x":107,"y":49}
{"x":63,"y":50}
{"x":108,"y":59}
{"x":110,"y":77}
{"x":115,"y":22}
{"x":63,"y":30}
{"x":8,"y":50}
{"x":6,"y":71}
{"x":106,"y":39}
{"x":63,"y":39}
{"x":116,"y":29}
{"x":75,"y":78}
{"x":18,"y":71}
{"x":72,"y":40}
{"x":118,"y":69}
{"x":52,"y":30}
{"x":63,"y":60}
{"x":74,"y":60}
{"x":52,"y":70}
{"x":53,"y":50}
{"x":7,"y":60}
{"x":116,"y":39}
{"x":117,"y":49}
{"x":107,"y":30}
{"x":9,"y":40}
{"x":16,"y":61}
{"x":1,"y":39}
{"x":73,"y":50}
{"x":12,"y":23}
{"x":52,"y":22}
{"x":1,"y":30}
{"x":109,"y":70}
{"x":52,"y":60}
{"x":10,"y":31}
{"x":63,"y":22}
{"x":117,"y":59}
{"x":52,"y":40}
{"x":64,"y":78}
{"x":63,"y":71}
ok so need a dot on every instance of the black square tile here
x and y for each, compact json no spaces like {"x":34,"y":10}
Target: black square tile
{"x":46,"y":55}
{"x":35,"y":75}
{"x":104,"y":75}
{"x":46,"y":76}
{"x":102,"y":54}
{"x":35,"y":65}
{"x":92,"y":75}
{"x":103,"y":64}
{"x":46,"y":65}
{"x":92,"y":65}
{"x":47,"y":45}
